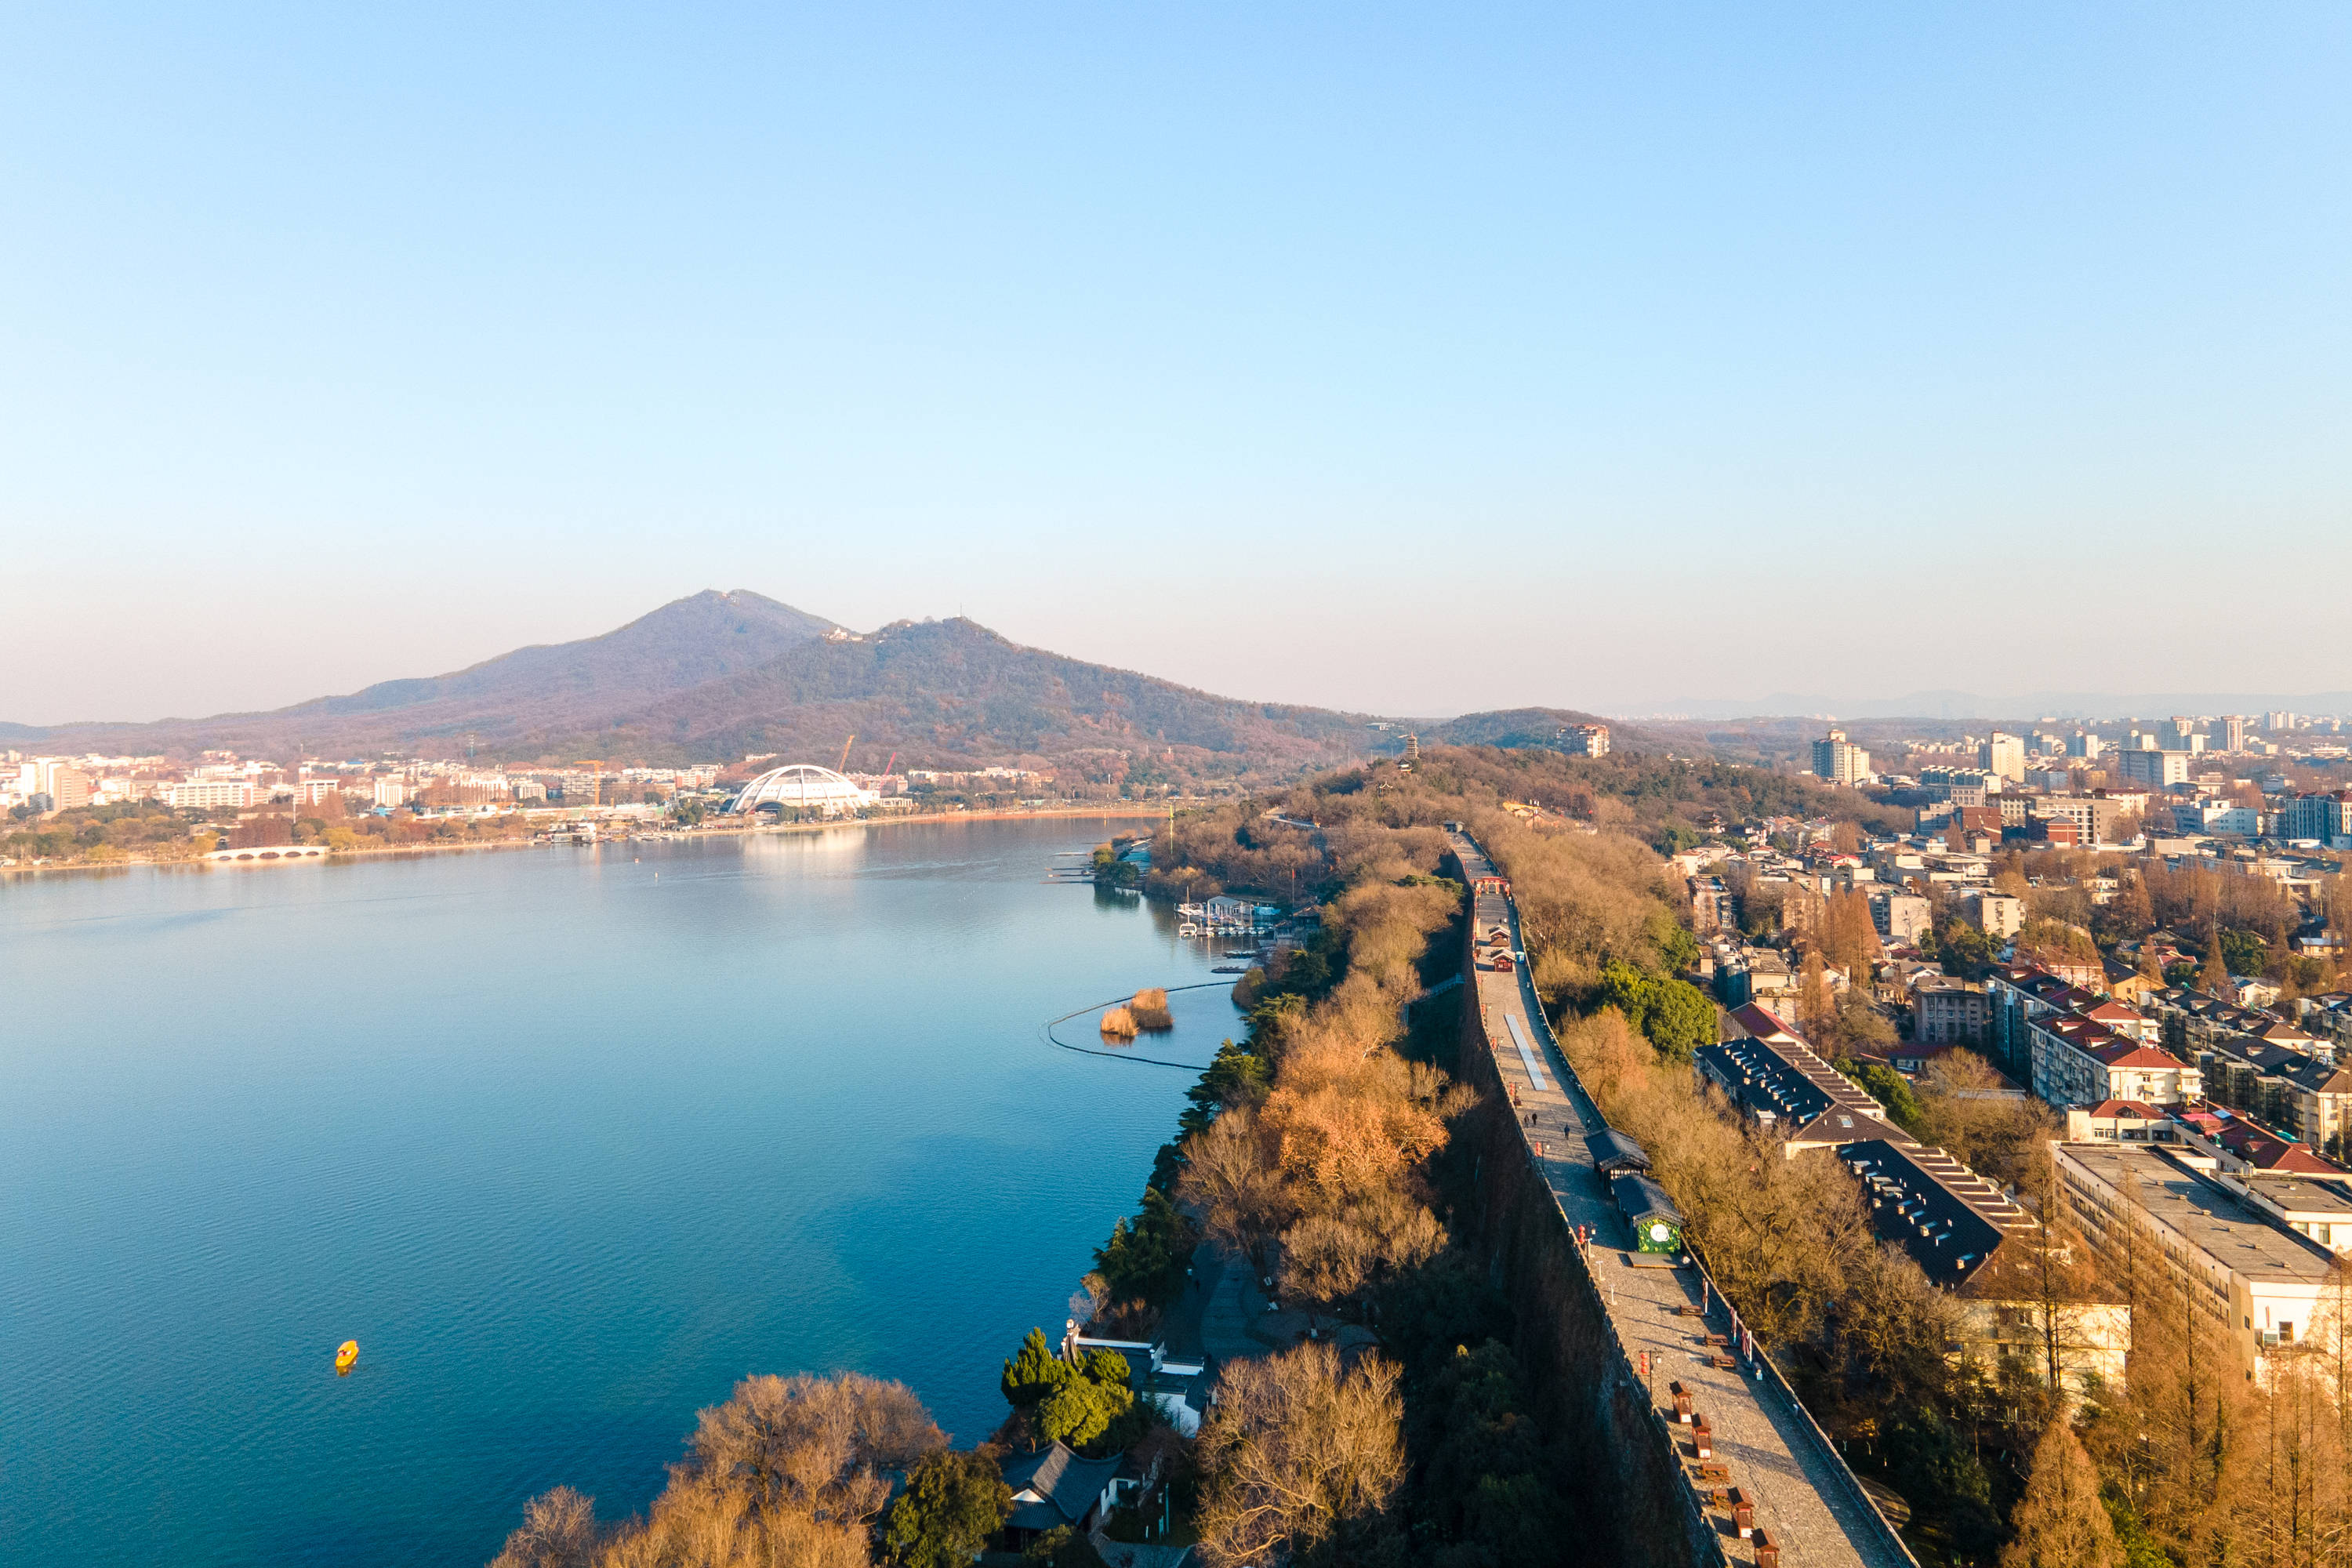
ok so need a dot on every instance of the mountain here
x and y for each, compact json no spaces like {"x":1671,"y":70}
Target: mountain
{"x":720,"y":675}
{"x":953,"y":692}
{"x":683,"y":644}
{"x":581,"y":684}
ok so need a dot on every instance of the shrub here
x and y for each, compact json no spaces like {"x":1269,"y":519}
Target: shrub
{"x":1149,"y":1010}
{"x":1118,"y":1023}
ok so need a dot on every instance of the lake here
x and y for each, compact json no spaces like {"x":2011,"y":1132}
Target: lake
{"x":568,"y":1139}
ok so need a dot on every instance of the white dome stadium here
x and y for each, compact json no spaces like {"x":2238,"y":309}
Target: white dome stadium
{"x":804,"y":786}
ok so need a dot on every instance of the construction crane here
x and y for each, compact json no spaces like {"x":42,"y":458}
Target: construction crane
{"x":598,"y":764}
{"x":844,"y":753}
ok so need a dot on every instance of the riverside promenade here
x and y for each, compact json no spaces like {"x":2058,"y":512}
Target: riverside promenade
{"x":1768,"y":1452}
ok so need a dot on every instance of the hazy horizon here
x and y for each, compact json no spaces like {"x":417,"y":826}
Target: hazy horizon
{"x":2084,"y":706}
{"x":1703,"y":351}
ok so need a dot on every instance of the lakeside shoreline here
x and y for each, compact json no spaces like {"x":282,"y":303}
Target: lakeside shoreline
{"x":1132,"y":813}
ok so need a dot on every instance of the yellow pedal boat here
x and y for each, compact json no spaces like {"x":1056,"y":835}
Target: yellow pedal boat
{"x":346,"y":1354}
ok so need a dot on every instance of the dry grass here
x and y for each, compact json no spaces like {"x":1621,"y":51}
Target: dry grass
{"x":1149,"y":1010}
{"x":1118,"y":1023}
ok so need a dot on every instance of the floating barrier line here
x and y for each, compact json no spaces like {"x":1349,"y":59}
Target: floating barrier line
{"x":1046,"y":1028}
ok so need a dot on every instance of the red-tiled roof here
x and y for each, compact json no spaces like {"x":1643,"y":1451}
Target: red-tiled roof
{"x":2112,"y":1108}
{"x":2265,"y":1151}
{"x":1762,"y":1022}
{"x":2132,"y":1053}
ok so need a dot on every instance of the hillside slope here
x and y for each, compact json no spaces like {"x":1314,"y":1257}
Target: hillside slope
{"x":949,"y":693}
{"x":581,"y":684}
{"x":718,"y":675}
{"x":1513,"y":727}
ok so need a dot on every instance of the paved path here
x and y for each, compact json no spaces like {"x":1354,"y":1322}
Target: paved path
{"x":1804,"y":1498}
{"x":1234,"y":1303}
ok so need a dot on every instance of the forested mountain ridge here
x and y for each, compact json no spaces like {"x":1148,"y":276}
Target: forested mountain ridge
{"x":717,"y":676}
{"x":1511,"y":727}
{"x":950,"y":692}
{"x":583,"y":683}
{"x":720,"y":675}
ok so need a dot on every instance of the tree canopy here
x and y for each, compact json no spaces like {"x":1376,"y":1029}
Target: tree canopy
{"x":952,"y":1504}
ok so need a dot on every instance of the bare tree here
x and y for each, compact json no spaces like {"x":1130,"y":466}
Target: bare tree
{"x":1331,"y":1257}
{"x":558,"y":1530}
{"x":788,"y":1471}
{"x":1231,"y":1182}
{"x":1297,"y":1453}
{"x":814,"y":1446}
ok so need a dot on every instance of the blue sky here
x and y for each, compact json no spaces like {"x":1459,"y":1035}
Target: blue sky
{"x":1678,"y":351}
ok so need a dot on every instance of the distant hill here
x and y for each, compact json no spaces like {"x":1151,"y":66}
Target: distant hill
{"x":1517,"y":727}
{"x":560,"y":685}
{"x":2022,"y":707}
{"x":683,"y":644}
{"x":953,"y":692}
{"x":719,"y":676}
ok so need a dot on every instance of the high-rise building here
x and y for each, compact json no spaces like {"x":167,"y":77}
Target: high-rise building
{"x":2235,"y":727}
{"x":66,"y":785}
{"x":1584,"y":740}
{"x":2326,"y":817}
{"x":2181,"y":734}
{"x":1840,"y":762}
{"x":2278,"y":721}
{"x":2154,"y":767}
{"x":2004,"y":754}
{"x":2084,"y":745}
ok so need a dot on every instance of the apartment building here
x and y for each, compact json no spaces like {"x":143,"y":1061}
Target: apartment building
{"x":2160,"y":769}
{"x":2004,"y":754}
{"x":1946,"y":1012}
{"x":2076,"y":1048}
{"x":209,"y":793}
{"x":2281,"y":1086}
{"x":1839,"y":761}
{"x":1995,"y":914}
{"x":2262,"y":1286}
{"x":2093,"y":816}
{"x":1901,"y":918}
{"x":2079,"y":1061}
{"x":2326,"y":817}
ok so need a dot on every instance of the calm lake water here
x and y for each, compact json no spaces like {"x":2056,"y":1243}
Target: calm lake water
{"x":569,"y":1140}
